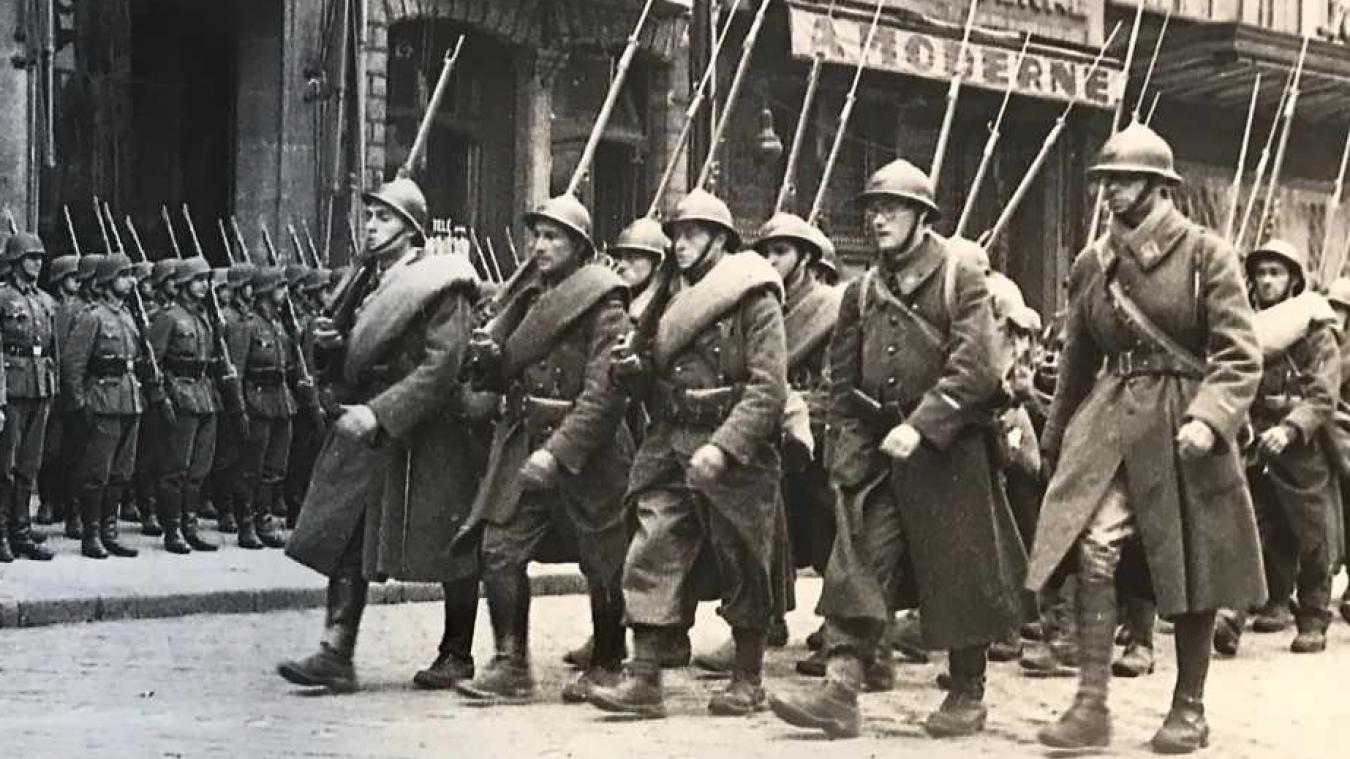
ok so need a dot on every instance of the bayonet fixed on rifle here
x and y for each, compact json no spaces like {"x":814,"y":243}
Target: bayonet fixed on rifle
{"x":102,"y":228}
{"x":306,"y":392}
{"x":953,"y":97}
{"x":244,"y":252}
{"x":990,"y":143}
{"x":787,"y":191}
{"x":1152,"y":64}
{"x":9,"y":220}
{"x":424,"y":129}
{"x":227,"y":374}
{"x":168,"y":227}
{"x":1276,"y":169}
{"x":70,"y":230}
{"x":1261,"y":164}
{"x":1331,"y":267}
{"x":295,"y":242}
{"x":738,"y":79}
{"x":313,"y":250}
{"x":1099,"y":196}
{"x":156,"y":394}
{"x":225,"y":241}
{"x":511,"y":247}
{"x":1235,"y":193}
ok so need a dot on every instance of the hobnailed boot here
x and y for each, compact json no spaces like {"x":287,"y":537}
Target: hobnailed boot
{"x":108,"y":531}
{"x":150,"y":522}
{"x":744,"y":695}
{"x":833,"y":708}
{"x":173,"y":539}
{"x":1087,"y":723}
{"x":1184,"y":730}
{"x":91,"y":544}
{"x":263,"y":524}
{"x":225,"y":510}
{"x":507,"y":679}
{"x":580,"y":657}
{"x":22,"y":541}
{"x":638,"y":690}
{"x":1274,"y":617}
{"x":1228,"y":628}
{"x":46,"y":514}
{"x":454,"y":657}
{"x":332,"y":666}
{"x":608,"y":645}
{"x":248,"y":533}
{"x":169,"y":504}
{"x":816,"y":640}
{"x":721,"y":661}
{"x":190,"y":531}
{"x":1312,"y":632}
{"x":813,"y":665}
{"x":963,"y":711}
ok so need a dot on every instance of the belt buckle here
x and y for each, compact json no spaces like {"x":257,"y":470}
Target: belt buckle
{"x":1125,"y":364}
{"x":37,"y":351}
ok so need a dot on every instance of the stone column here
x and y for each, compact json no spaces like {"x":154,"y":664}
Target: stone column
{"x":14,"y":132}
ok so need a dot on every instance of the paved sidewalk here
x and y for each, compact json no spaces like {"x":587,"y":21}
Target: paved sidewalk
{"x":71,"y":588}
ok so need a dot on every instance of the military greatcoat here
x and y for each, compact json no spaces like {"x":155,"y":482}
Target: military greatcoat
{"x":1194,"y":518}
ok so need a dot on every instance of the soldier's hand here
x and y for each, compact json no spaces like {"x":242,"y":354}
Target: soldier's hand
{"x":325,"y":335}
{"x":482,"y":359}
{"x":358,"y":423}
{"x":241,"y":425}
{"x":630,"y":372}
{"x":539,"y":472}
{"x":1273,"y":441}
{"x":1194,"y":439}
{"x":2,"y":418}
{"x":706,"y":465}
{"x":168,"y":412}
{"x":901,"y":442}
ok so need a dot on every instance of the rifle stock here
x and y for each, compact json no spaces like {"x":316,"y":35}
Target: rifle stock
{"x":227,"y":374}
{"x":306,"y":392}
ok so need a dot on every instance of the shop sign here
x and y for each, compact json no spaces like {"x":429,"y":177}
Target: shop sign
{"x":1044,"y":74}
{"x":1076,"y":21}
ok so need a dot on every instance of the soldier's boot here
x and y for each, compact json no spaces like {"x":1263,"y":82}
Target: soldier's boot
{"x":813,"y":665}
{"x":331,"y":667}
{"x":191,"y":532}
{"x":1008,"y":649}
{"x":263,"y":522}
{"x":580,"y":657}
{"x":879,"y":669}
{"x":638,"y":690}
{"x":109,"y":531}
{"x":6,"y":554}
{"x":225,"y":511}
{"x":963,"y":711}
{"x":676,"y":650}
{"x":1274,"y":617}
{"x":1185,"y":729}
{"x":1137,"y":659}
{"x":169,"y":504}
{"x":22,"y":541}
{"x":454,"y":657}
{"x":508,"y":678}
{"x":816,"y":640}
{"x":744,"y":695}
{"x":91,"y":542}
{"x":777,"y":635}
{"x":1087,"y":723}
{"x":905,"y":635}
{"x":46,"y":513}
{"x":608,"y":651}
{"x":720,"y":661}
{"x":1228,"y":628}
{"x":248,"y":532}
{"x":73,"y":522}
{"x":833,"y":708}
{"x":1312,"y":631}
{"x":173,"y":538}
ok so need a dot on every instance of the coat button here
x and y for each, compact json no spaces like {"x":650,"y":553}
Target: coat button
{"x":892,"y":380}
{"x":890,"y":350}
{"x":895,"y":320}
{"x":716,"y":349}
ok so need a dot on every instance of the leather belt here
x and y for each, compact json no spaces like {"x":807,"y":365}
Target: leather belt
{"x":1146,"y":364}
{"x":694,"y":407}
{"x":25,"y":351}
{"x":186,"y":368}
{"x":110,"y":366}
{"x":265,"y":377}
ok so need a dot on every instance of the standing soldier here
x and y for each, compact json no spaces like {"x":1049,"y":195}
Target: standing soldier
{"x":157,"y":292}
{"x":560,"y":458}
{"x":72,"y":421}
{"x":308,"y":436}
{"x":708,"y":472}
{"x":236,"y":297}
{"x":28,"y":332}
{"x":398,"y":470}
{"x":922,"y":519}
{"x":1160,"y":364}
{"x":259,"y":343}
{"x":52,"y":477}
{"x":97,"y":375}
{"x":1338,"y":295}
{"x":185,"y":445}
{"x":1289,"y":474}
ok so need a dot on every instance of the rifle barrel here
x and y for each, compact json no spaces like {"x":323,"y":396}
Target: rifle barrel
{"x":173,"y":236}
{"x":1234,"y":194}
{"x":70,"y":229}
{"x":419,"y":145}
{"x":995,"y":133}
{"x":953,"y":98}
{"x":747,"y":49}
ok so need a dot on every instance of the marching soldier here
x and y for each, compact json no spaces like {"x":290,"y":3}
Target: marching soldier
{"x":922,"y":518}
{"x":637,"y":252}
{"x":98,"y":378}
{"x":1289,"y":474}
{"x":398,"y":470}
{"x":1159,"y":366}
{"x":1338,"y":295}
{"x":52,"y":477}
{"x":259,"y":344}
{"x":235,"y":295}
{"x":708,"y":470}
{"x":184,"y":445}
{"x":26,"y":326}
{"x":560,"y":456}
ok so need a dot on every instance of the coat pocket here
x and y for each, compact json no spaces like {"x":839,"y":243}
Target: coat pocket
{"x":1214,"y":475}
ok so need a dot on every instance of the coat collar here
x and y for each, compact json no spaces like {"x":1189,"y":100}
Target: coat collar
{"x":1153,"y":240}
{"x":915,"y":267}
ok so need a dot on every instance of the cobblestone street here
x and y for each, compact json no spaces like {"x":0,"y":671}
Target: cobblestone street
{"x":203,"y":686}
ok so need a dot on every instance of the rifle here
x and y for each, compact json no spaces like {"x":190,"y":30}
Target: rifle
{"x":1290,"y":106}
{"x":295,"y":243}
{"x":1095,"y":225}
{"x":747,"y":49}
{"x":313,"y":250}
{"x":1152,"y":63}
{"x":168,"y":226}
{"x":152,"y":378}
{"x":102,"y":228}
{"x":1234,"y":195}
{"x":953,"y":96}
{"x":9,"y":219}
{"x":239,"y":240}
{"x":424,"y":129}
{"x":844,"y":113}
{"x":1329,"y":272}
{"x":70,"y":229}
{"x":987,"y":239}
{"x":787,"y":191}
{"x":305,"y":390}
{"x":227,"y":374}
{"x":1261,"y":166}
{"x":995,"y":133}
{"x":511,"y":246}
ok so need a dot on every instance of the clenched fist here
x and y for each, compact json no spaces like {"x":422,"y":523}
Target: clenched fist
{"x":1194,"y":439}
{"x":358,"y":422}
{"x":706,"y":465}
{"x":901,"y":442}
{"x":539,"y":472}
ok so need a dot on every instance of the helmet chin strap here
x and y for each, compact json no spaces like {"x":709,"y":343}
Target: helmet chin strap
{"x":384,"y":247}
{"x":1150,"y":187}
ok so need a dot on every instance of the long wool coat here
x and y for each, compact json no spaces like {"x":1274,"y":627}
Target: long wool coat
{"x":966,"y":558}
{"x":1194,"y":518}
{"x":410,"y":492}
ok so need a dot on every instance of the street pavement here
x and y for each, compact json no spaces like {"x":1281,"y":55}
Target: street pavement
{"x":203,"y":686}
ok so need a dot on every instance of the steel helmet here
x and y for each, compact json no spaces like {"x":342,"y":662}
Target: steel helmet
{"x":902,"y":179}
{"x":112,"y":267}
{"x":242,"y":273}
{"x":790,"y":226}
{"x":142,"y":270}
{"x":1136,"y":149}
{"x":62,"y":267}
{"x":1281,"y":250}
{"x":642,"y":236}
{"x":566,"y":210}
{"x":22,"y":244}
{"x":296,"y":273}
{"x":701,"y":205}
{"x":1339,"y":293}
{"x":404,"y":198}
{"x":189,"y":269}
{"x":268,"y":278}
{"x":89,"y":266}
{"x":827,"y":266}
{"x":164,"y":270}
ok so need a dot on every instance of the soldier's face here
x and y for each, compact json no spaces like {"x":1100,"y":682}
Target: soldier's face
{"x":892,"y":222}
{"x":1123,"y":191}
{"x":121,"y":286}
{"x":197,"y":287}
{"x":146,"y":287}
{"x":554,"y":247}
{"x":783,"y":255}
{"x":692,"y":241}
{"x":224,"y":294}
{"x":279,"y":293}
{"x":635,"y":268}
{"x":31,"y":265}
{"x":383,"y":226}
{"x":70,"y":286}
{"x":1271,"y":279}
